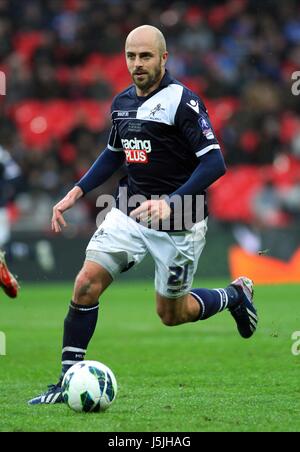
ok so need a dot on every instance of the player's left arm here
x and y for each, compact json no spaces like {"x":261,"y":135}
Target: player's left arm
{"x":195,"y":126}
{"x":211,"y":167}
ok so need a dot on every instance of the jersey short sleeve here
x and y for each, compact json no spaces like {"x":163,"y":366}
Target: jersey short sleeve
{"x":194,"y":124}
{"x":114,"y":141}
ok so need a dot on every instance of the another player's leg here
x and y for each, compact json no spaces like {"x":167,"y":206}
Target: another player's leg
{"x":7,"y":281}
{"x":79,"y":325}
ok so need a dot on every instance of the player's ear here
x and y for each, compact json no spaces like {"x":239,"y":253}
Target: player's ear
{"x":165,"y":58}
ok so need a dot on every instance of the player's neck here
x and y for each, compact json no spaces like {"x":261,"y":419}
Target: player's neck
{"x":145,"y":93}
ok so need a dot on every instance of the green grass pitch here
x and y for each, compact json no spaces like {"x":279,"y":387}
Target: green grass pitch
{"x":195,"y":377}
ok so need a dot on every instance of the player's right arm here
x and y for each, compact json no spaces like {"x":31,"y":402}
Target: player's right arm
{"x":105,"y":166}
{"x":66,"y":203}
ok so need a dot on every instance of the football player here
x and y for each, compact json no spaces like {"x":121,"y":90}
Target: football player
{"x":162,"y":132}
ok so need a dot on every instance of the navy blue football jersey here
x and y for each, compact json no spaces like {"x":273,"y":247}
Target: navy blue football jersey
{"x":162,"y":135}
{"x":10,"y":175}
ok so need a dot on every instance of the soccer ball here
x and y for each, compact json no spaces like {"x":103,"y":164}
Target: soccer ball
{"x":89,"y":386}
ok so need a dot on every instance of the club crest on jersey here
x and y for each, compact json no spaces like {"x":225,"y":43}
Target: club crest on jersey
{"x":136,"y":150}
{"x":206,"y":128}
{"x":156,"y":110}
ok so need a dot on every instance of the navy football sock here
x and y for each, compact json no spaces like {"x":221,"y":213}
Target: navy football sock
{"x":212,"y":301}
{"x":79,"y":327}
{"x":233,"y":296}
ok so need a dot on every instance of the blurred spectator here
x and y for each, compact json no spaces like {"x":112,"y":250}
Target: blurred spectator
{"x":5,"y":38}
{"x":268,"y":207}
{"x":99,"y":88}
{"x":20,"y":85}
{"x":291,"y":201}
{"x":45,"y":83}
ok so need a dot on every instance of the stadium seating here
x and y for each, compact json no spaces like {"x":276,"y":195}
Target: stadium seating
{"x":205,"y":39}
{"x":25,"y":43}
{"x":40,"y":122}
{"x":231,"y":196}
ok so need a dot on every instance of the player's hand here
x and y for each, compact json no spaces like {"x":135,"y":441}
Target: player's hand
{"x":66,"y":203}
{"x":152,"y":211}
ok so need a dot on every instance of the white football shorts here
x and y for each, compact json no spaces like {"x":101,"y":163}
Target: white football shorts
{"x":120,"y":243}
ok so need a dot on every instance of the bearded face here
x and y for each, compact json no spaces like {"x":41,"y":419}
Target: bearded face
{"x":147,"y":76}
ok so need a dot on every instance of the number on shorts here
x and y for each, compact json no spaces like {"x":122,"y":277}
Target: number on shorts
{"x":178,"y":276}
